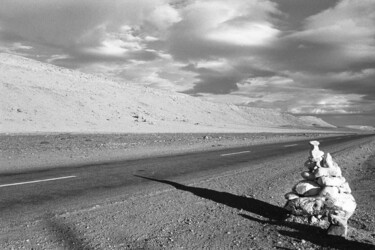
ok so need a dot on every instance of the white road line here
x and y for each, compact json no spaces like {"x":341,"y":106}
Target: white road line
{"x":236,"y":153}
{"x":291,"y":145}
{"x":36,"y":181}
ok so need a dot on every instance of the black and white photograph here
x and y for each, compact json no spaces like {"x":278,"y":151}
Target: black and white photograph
{"x":187,"y":124}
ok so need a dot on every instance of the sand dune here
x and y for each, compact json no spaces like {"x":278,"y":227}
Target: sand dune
{"x":39,"y":97}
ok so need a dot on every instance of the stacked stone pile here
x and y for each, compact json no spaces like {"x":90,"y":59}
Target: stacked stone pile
{"x":323,"y":193}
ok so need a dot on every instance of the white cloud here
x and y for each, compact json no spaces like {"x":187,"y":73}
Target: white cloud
{"x":219,"y":64}
{"x":108,"y":48}
{"x":218,"y":27}
{"x":78,"y":23}
{"x":327,"y":103}
{"x":21,"y":46}
{"x":233,"y":22}
{"x":349,"y":26}
{"x":249,"y":34}
{"x":269,"y":89}
{"x":268,"y":81}
{"x":163,"y":17}
{"x":215,"y":37}
{"x":348,"y":75}
{"x":151,"y":39}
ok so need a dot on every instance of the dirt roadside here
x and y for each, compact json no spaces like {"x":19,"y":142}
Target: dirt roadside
{"x":232,"y":210}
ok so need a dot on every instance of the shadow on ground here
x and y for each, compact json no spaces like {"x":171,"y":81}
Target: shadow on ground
{"x":66,"y":234}
{"x":274,"y":214}
{"x":314,"y":234}
{"x":240,"y":202}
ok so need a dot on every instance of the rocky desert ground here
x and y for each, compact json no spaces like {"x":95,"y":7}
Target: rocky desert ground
{"x":210,"y":211}
{"x":56,"y":117}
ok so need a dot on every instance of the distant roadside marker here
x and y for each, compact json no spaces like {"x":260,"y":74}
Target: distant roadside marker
{"x":37,"y":181}
{"x":236,"y":153}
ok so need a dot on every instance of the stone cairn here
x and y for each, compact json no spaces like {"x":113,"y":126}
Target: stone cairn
{"x":323,"y":194}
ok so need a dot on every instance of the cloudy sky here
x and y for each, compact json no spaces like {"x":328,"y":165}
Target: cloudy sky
{"x":299,"y":56}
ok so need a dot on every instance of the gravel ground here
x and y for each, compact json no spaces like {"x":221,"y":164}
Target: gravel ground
{"x":231,"y":210}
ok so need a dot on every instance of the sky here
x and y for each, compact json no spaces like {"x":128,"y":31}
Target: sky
{"x":304,"y":57}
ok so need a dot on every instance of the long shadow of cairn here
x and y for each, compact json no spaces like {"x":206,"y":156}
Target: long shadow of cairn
{"x":275,"y":215}
{"x":240,"y":202}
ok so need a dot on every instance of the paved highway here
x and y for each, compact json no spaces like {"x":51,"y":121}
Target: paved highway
{"x":41,"y":190}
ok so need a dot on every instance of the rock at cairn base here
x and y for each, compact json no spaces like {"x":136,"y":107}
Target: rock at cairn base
{"x":324,"y":193}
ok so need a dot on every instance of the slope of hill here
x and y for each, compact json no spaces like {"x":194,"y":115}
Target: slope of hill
{"x":315,"y":121}
{"x":39,"y":97}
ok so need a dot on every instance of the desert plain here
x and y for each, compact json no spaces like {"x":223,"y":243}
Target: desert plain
{"x":55,"y":118}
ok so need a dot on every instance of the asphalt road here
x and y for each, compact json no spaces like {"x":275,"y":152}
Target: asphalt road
{"x":42,"y":190}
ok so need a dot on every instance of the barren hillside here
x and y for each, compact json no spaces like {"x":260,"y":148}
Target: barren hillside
{"x":38,"y":97}
{"x":359,"y":127}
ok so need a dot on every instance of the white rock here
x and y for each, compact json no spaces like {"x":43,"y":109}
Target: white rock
{"x":332,"y":171}
{"x":342,"y":202}
{"x":345,"y":188}
{"x":331,"y":181}
{"x":319,"y":172}
{"x":346,"y":203}
{"x":330,"y":192}
{"x":307,"y":188}
{"x":315,"y":152}
{"x":291,"y":196}
{"x":330,"y":168}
